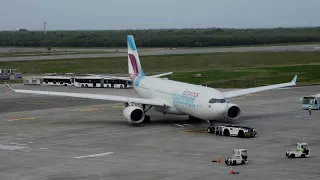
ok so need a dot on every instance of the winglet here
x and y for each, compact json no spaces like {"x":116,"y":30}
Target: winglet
{"x":9,"y":86}
{"x":294,"y":80}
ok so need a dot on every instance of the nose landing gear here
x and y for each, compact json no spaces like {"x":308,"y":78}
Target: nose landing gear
{"x":211,"y":127}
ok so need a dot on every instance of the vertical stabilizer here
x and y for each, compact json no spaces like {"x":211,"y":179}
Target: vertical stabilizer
{"x":134,"y":66}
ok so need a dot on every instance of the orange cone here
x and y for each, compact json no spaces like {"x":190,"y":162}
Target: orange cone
{"x":218,"y":161}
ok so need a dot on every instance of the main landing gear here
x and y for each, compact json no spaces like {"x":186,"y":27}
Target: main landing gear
{"x":145,"y":108}
{"x":147,"y":118}
{"x":211,"y":122}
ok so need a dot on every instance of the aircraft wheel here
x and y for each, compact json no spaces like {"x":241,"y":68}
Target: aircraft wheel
{"x":226,"y":132}
{"x":241,"y":134}
{"x":147,"y":119}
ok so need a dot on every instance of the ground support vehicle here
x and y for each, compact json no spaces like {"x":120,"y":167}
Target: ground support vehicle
{"x":239,"y":157}
{"x":302,"y":150}
{"x":232,"y":130}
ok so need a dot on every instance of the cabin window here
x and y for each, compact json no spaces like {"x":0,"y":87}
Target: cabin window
{"x":213,"y":100}
{"x":307,"y":100}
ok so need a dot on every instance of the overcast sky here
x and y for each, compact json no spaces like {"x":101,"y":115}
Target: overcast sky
{"x":151,"y":14}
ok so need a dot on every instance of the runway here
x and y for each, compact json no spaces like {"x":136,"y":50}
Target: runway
{"x":163,"y":51}
{"x":66,"y":138}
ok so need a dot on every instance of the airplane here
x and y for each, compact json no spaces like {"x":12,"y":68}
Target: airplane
{"x":168,"y":96}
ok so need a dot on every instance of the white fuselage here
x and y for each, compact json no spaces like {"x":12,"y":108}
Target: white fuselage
{"x":186,"y":99}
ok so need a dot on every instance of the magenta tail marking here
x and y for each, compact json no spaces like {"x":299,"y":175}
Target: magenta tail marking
{"x":134,"y":63}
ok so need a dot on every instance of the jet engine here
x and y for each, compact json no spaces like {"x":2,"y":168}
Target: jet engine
{"x":234,"y":112}
{"x":133,"y":114}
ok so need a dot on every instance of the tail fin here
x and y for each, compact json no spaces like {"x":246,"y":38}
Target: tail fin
{"x":134,"y":66}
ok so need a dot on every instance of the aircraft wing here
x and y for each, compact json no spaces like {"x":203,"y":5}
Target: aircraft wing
{"x":118,"y":78}
{"x":153,"y":102}
{"x":236,"y":93}
{"x":160,"y":75}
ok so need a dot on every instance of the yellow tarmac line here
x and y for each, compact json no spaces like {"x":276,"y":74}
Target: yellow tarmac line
{"x":118,"y":106}
{"x":86,"y":109}
{"x":22,"y":118}
{"x":36,"y":102}
{"x":94,"y":109}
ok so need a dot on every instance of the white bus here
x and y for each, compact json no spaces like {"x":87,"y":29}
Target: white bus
{"x":101,"y":82}
{"x":58,"y":80}
{"x":313,"y":101}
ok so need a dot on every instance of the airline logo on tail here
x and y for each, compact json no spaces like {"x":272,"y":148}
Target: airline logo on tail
{"x":135,"y":69}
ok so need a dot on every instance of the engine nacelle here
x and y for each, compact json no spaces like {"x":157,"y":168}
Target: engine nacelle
{"x":234,"y":112}
{"x":133,"y":114}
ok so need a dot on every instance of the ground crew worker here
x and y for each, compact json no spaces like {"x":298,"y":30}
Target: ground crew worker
{"x":309,"y":110}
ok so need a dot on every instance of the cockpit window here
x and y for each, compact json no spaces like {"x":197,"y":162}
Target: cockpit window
{"x":213,"y":100}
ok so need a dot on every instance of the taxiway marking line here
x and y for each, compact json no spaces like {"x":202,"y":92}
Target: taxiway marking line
{"x":86,"y":109}
{"x":179,"y":125}
{"x":22,"y":118}
{"x":9,"y":147}
{"x":94,"y":155}
{"x":118,"y":106}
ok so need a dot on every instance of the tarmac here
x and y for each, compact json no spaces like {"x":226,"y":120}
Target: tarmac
{"x":155,"y":51}
{"x":46,"y":137}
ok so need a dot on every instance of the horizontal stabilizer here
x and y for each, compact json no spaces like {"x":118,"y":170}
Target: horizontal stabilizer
{"x":160,"y":75}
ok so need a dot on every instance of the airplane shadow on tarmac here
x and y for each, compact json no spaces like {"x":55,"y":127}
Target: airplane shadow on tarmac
{"x":171,"y":120}
{"x":155,"y":120}
{"x":246,"y":117}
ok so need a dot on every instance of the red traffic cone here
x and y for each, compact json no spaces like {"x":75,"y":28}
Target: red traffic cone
{"x":218,"y":161}
{"x":231,"y":171}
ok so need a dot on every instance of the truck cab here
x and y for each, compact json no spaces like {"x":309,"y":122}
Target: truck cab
{"x":312,"y":101}
{"x":239,"y":156}
{"x":240,"y":153}
{"x":304,"y":148}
